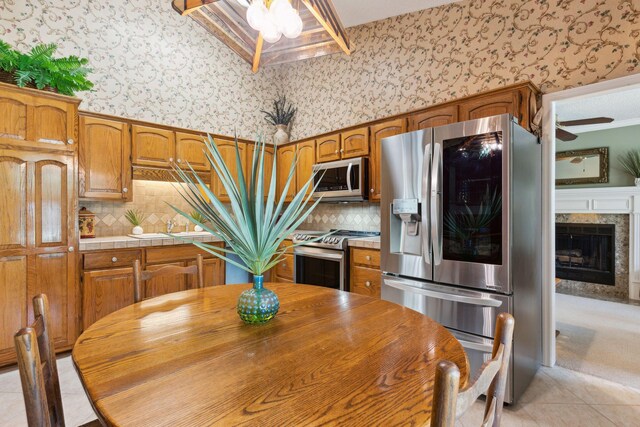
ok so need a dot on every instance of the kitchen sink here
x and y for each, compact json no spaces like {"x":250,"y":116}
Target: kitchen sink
{"x":164,"y":236}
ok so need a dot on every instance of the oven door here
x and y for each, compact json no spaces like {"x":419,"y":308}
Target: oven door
{"x":320,"y":267}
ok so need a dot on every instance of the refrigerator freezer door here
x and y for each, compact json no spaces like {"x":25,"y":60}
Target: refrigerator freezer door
{"x":470,"y":189}
{"x":464,"y":310}
{"x":405,"y":237}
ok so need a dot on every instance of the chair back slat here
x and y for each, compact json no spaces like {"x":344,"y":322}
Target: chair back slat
{"x":38,"y":369}
{"x":450,"y":402}
{"x":140,"y":276}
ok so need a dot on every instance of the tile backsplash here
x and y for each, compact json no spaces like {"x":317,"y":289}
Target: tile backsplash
{"x":153,"y":199}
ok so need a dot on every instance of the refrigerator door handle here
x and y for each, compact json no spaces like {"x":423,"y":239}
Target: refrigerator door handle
{"x":466,"y":299}
{"x":485,"y":348}
{"x":426,"y":240}
{"x":434,"y":217}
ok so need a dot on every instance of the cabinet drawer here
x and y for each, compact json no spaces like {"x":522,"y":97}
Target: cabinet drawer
{"x":366,"y":257}
{"x":115,"y":259}
{"x":286,"y":244}
{"x":284,"y":270}
{"x":365,"y":281}
{"x":176,"y":253}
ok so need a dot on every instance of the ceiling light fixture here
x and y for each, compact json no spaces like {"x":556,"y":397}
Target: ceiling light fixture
{"x":274,"y":19}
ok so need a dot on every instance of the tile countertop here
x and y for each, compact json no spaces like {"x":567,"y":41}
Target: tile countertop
{"x":365,"y":242}
{"x":122,"y":242}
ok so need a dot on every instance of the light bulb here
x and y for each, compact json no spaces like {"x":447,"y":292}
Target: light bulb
{"x":257,"y":14}
{"x":293,"y":28}
{"x":270,"y":31}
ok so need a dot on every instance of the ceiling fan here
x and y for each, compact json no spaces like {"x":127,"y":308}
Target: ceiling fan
{"x":566,"y":136}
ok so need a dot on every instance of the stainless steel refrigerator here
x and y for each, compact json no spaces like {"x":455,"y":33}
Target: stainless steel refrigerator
{"x":461,"y":234}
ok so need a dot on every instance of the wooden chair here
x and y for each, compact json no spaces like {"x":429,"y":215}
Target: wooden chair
{"x":140,"y":275}
{"x":449,"y":402}
{"x":39,"y":371}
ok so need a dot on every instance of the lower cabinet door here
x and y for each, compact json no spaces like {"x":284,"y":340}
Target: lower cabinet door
{"x":365,"y":281}
{"x":213,"y":273}
{"x":164,"y":285}
{"x":105,"y":291}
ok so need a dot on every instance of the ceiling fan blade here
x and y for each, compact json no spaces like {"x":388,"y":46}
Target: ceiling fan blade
{"x":591,"y":121}
{"x":577,"y":160}
{"x":565,"y":136}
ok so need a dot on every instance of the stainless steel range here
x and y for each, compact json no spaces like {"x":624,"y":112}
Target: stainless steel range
{"x":324,"y":262}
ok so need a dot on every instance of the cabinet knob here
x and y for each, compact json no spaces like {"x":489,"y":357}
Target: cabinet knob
{"x":368,"y":257}
{"x":336,"y":152}
{"x":179,"y":161}
{"x":70,"y":141}
{"x":125,"y":190}
{"x":342,"y":151}
{"x":371,"y":191}
{"x":114,"y":259}
{"x":170,"y":159}
{"x":71,"y":249}
{"x":367,"y":284}
{"x":284,"y":264}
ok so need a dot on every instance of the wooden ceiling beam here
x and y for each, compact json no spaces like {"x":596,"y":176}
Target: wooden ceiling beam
{"x":215,"y":29}
{"x":256,"y":55}
{"x":185,"y":7}
{"x":326,"y":21}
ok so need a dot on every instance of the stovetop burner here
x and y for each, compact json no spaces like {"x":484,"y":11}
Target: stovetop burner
{"x":338,"y":239}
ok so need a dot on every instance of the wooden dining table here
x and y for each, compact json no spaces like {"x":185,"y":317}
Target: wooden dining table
{"x":328,"y":358}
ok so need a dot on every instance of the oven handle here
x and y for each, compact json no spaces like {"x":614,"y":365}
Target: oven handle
{"x":327,"y":256}
{"x":485,"y":348}
{"x":349,"y":176}
{"x":485,"y":302}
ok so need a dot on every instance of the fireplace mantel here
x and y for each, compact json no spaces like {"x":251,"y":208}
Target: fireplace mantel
{"x":609,"y":200}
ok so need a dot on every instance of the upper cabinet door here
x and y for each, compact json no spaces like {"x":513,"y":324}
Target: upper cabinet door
{"x":152,"y":146}
{"x":328,"y":148}
{"x":190,"y":148}
{"x":13,"y":199}
{"x":286,"y":156}
{"x":267,"y":171}
{"x":491,"y":104}
{"x":227,"y":148}
{"x":355,"y":143}
{"x":379,"y":131}
{"x":46,"y":121}
{"x":433,"y":117}
{"x":306,"y":160}
{"x":105,"y":159}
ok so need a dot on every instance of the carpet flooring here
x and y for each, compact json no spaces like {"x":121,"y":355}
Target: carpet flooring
{"x":599,"y":338}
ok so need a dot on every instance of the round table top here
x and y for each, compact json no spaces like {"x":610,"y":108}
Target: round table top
{"x":328,"y":357}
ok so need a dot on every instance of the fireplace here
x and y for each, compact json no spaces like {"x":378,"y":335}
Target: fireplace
{"x":586,"y":253}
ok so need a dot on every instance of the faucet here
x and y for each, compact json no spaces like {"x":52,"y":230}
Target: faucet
{"x":170,"y":224}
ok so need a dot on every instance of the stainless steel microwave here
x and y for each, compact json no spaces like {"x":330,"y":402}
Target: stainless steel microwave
{"x":342,"y":180}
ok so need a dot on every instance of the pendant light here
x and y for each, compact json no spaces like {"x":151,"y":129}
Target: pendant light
{"x":279,"y":18}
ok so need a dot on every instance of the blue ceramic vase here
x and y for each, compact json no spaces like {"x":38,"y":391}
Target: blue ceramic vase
{"x":258,"y":305}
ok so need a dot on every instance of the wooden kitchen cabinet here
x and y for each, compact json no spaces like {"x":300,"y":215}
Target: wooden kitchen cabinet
{"x":227,"y":148}
{"x":38,"y":239}
{"x":269,"y":152}
{"x":433,"y":117}
{"x":190,"y":150}
{"x":105,"y":291}
{"x":32,"y":118}
{"x":105,"y":159}
{"x":378,"y":132}
{"x":214,"y":274}
{"x":365,"y":272}
{"x":152,"y":146}
{"x":286,"y":156}
{"x":284,"y":270}
{"x":306,"y":160}
{"x":355,"y":143}
{"x":328,"y":148}
{"x":519,"y":100}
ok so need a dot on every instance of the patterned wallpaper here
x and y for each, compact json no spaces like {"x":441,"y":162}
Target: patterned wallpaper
{"x":149,"y":62}
{"x":415,"y":60}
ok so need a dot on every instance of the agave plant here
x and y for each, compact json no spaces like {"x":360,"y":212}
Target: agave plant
{"x":630,"y":162}
{"x":282,"y":113}
{"x":465,"y":225}
{"x":39,"y":68}
{"x":252,"y":228}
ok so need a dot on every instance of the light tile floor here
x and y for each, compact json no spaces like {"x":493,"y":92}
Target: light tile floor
{"x":556,"y":397}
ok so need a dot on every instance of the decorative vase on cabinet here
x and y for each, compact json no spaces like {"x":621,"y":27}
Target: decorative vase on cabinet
{"x":281,"y":136}
{"x":258,"y":304}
